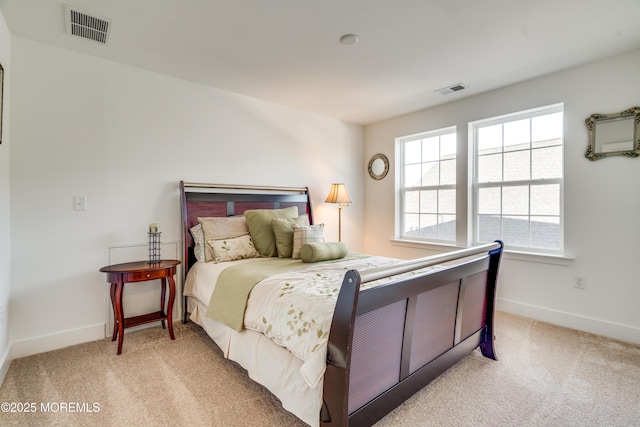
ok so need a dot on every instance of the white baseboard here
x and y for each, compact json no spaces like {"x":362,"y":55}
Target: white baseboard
{"x":41,"y":344}
{"x":570,"y":320}
{"x":6,"y":362}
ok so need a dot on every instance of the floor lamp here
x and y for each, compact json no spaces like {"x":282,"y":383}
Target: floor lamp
{"x":339,"y":194}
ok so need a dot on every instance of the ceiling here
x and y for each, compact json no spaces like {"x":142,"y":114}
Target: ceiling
{"x":288,"y":51}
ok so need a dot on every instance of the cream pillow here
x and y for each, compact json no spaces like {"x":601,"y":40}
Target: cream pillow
{"x":283,"y":233}
{"x":259,"y":224}
{"x":221,"y":228}
{"x":305,"y":234}
{"x":233,"y":248}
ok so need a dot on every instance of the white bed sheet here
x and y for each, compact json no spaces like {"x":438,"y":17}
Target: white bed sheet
{"x":261,"y":357}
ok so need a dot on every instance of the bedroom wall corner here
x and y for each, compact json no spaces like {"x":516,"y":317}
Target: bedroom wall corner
{"x":600,"y":207}
{"x":5,"y":225}
{"x":124,"y":137}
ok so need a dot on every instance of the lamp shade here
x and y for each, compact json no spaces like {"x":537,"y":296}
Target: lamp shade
{"x":338,"y":194}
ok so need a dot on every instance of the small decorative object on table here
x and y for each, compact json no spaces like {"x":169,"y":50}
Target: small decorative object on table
{"x":154,"y":243}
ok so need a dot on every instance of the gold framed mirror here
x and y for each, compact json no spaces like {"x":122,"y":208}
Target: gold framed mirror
{"x":614,"y":134}
{"x":378,"y":166}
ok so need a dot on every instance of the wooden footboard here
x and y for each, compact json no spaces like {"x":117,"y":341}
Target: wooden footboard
{"x":386,"y":342}
{"x":389,"y":341}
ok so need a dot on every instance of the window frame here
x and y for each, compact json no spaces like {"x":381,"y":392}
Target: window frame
{"x":476,"y":186}
{"x":402,"y":188}
{"x":466,"y":187}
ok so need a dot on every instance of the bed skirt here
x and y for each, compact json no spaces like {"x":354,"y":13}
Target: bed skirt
{"x":263,"y":360}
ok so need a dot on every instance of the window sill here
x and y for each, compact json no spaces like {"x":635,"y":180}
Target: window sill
{"x":537,"y":257}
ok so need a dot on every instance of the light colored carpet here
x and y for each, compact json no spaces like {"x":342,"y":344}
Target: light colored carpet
{"x":546,"y":376}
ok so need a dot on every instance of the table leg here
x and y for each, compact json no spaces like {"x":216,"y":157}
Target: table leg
{"x":163,"y":292}
{"x":115,"y":315}
{"x":172,"y":297}
{"x":120,"y":315}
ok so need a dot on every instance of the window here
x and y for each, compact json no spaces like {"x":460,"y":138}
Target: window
{"x":513,"y":190}
{"x":518,"y":179}
{"x":428,"y":186}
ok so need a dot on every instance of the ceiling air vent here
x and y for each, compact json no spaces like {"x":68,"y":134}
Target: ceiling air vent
{"x":450,"y":89}
{"x":86,"y":26}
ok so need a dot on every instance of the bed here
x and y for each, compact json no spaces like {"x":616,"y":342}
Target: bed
{"x":392,"y":325}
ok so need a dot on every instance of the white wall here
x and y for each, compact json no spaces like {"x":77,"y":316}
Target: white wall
{"x":601,"y":200}
{"x":5,"y":235}
{"x":124,"y":137}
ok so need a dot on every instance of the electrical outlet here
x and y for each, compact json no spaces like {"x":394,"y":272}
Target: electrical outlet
{"x":579,"y":282}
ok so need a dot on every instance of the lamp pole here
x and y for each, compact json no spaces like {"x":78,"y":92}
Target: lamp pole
{"x":340,"y":222}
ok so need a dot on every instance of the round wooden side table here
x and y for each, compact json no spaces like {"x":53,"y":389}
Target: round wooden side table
{"x":141,"y":271}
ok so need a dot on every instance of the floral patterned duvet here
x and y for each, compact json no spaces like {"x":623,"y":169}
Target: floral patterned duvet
{"x":295,"y":309}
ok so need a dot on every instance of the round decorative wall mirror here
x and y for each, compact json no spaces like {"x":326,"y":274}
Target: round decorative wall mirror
{"x":378,"y":166}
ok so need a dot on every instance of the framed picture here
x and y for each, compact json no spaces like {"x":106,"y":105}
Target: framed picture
{"x":1,"y":98}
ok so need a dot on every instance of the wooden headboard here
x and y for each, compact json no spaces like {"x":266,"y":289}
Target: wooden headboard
{"x":207,"y":200}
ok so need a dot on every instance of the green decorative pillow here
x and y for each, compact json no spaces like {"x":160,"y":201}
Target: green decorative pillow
{"x":305,"y":234}
{"x":221,"y":227}
{"x":259,"y":224}
{"x":240,"y":247}
{"x":321,"y":251}
{"x":283,"y":232}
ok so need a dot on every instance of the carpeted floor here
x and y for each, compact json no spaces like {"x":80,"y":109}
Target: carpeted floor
{"x":546,"y":376}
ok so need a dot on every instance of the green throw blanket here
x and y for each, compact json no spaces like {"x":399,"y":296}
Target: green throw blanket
{"x":229,"y":297}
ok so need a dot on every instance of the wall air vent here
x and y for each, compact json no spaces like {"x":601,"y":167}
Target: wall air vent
{"x":450,"y":89}
{"x":86,"y":26}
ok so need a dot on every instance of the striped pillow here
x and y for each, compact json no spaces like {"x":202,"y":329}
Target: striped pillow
{"x":305,"y":234}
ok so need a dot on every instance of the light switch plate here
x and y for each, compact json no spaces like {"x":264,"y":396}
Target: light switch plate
{"x":79,"y":203}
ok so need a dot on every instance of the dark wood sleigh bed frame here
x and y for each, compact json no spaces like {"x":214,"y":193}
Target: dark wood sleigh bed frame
{"x":385,"y":342}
